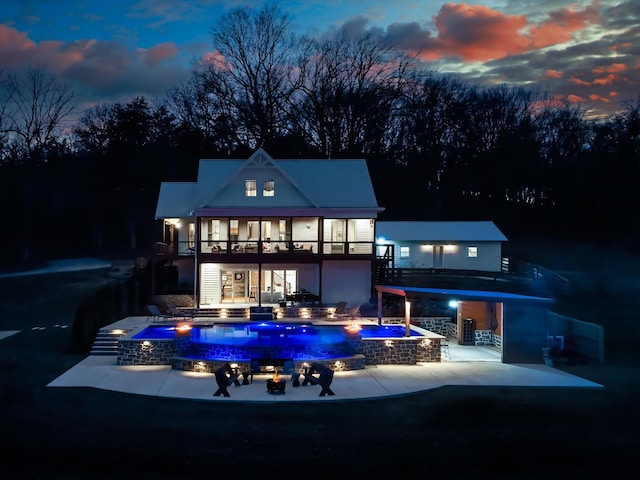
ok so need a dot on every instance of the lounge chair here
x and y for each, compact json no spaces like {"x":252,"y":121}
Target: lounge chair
{"x":340,"y":310}
{"x":348,"y":314}
{"x":177,"y":313}
{"x":156,"y":315}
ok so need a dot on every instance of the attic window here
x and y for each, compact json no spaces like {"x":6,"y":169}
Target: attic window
{"x":269,"y":188}
{"x":249,"y":188}
{"x":472,"y":252}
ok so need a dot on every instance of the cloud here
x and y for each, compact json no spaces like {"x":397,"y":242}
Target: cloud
{"x":553,"y":73}
{"x":101,"y":70}
{"x":562,"y":23}
{"x":160,"y":52}
{"x":478,"y":33}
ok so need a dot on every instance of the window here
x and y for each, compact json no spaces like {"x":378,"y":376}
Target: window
{"x":233,"y":229}
{"x":213,"y":232}
{"x":404,"y":252}
{"x":252,"y":230}
{"x":192,"y":235}
{"x":472,"y":252}
{"x":269,"y":188}
{"x":249,"y":188}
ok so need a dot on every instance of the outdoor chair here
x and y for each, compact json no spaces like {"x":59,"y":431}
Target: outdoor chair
{"x":223,"y":381}
{"x":349,"y":314}
{"x":156,"y":315}
{"x":324,"y":378}
{"x":340,"y":308}
{"x":177,"y":313}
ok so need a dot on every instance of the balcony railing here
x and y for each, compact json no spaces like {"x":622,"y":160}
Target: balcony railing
{"x":226,"y":247}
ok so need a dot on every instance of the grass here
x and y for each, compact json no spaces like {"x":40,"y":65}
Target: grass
{"x":461,"y":432}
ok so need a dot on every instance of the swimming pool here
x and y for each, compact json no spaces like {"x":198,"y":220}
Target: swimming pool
{"x":264,"y":333}
{"x":196,"y":346}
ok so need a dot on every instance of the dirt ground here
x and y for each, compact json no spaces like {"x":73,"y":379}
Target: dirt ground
{"x":460,"y":432}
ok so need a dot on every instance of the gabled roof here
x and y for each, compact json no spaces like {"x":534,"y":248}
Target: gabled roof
{"x":344,"y":184}
{"x":440,"y":231}
{"x":176,"y":199}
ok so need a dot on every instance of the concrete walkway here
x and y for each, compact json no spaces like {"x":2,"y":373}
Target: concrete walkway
{"x":372,"y":382}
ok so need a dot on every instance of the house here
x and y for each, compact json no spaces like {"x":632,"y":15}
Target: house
{"x":262,"y":231}
{"x":450,"y":245}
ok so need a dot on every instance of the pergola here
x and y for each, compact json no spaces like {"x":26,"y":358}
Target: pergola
{"x":478,"y":295}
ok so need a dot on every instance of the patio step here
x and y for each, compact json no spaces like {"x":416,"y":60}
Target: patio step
{"x":106,"y":343}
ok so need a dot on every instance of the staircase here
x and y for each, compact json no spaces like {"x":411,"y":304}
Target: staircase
{"x":106,"y":343}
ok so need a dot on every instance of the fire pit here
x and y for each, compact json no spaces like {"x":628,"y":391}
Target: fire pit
{"x":276,"y":384}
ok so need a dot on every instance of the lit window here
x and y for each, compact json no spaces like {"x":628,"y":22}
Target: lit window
{"x":404,"y":252}
{"x":472,"y":252}
{"x":249,"y":188}
{"x":269,"y":188}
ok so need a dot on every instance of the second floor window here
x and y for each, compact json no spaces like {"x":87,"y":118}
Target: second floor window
{"x":404,"y":252}
{"x":249,"y":188}
{"x":269,"y":188}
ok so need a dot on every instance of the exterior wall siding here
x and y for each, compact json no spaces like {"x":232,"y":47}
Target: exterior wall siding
{"x":455,"y":256}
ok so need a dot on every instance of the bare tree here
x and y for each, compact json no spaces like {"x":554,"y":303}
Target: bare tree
{"x":251,"y":76}
{"x":349,"y":86}
{"x":36,"y":105}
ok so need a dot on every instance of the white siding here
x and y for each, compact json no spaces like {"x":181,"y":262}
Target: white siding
{"x":210,"y":288}
{"x":348,"y":281}
{"x":455,"y":256}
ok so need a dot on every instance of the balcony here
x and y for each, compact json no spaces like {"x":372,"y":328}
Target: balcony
{"x":294,"y":249}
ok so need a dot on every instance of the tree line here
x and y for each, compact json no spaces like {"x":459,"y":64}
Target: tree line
{"x":437,"y":147}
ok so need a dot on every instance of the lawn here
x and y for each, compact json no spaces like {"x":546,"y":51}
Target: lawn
{"x":460,"y":432}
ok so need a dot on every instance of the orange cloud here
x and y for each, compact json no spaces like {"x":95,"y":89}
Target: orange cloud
{"x":613,"y":68}
{"x":600,"y":98}
{"x":553,"y":73}
{"x":608,"y":80}
{"x":575,"y":98}
{"x":478,"y":33}
{"x":562,"y":23}
{"x":613,"y":94}
{"x":622,"y":45}
{"x":160,"y":52}
{"x":217,"y":59}
{"x":577,"y":81}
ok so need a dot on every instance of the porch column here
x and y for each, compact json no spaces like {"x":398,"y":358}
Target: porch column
{"x":407,"y":317}
{"x":379,"y":307}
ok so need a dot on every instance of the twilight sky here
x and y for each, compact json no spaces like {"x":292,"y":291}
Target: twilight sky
{"x":585,"y":51}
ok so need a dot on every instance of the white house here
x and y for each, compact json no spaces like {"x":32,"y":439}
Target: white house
{"x":261,"y":230}
{"x":442,"y":245}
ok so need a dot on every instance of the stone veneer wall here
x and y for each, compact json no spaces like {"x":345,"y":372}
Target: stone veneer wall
{"x":401,"y":351}
{"x":433,"y":324}
{"x":136,"y":352}
{"x":179,"y":300}
{"x":488,"y":338}
{"x":353,"y":362}
{"x":355,"y":353}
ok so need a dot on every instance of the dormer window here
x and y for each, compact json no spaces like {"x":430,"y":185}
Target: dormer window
{"x":269,"y":188}
{"x":249,"y":188}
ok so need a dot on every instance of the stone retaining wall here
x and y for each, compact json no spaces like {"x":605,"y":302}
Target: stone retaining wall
{"x":151,"y":352}
{"x":352,"y":362}
{"x":401,"y":351}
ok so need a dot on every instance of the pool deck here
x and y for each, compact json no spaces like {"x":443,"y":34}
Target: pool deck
{"x":473,"y":366}
{"x":467,"y":365}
